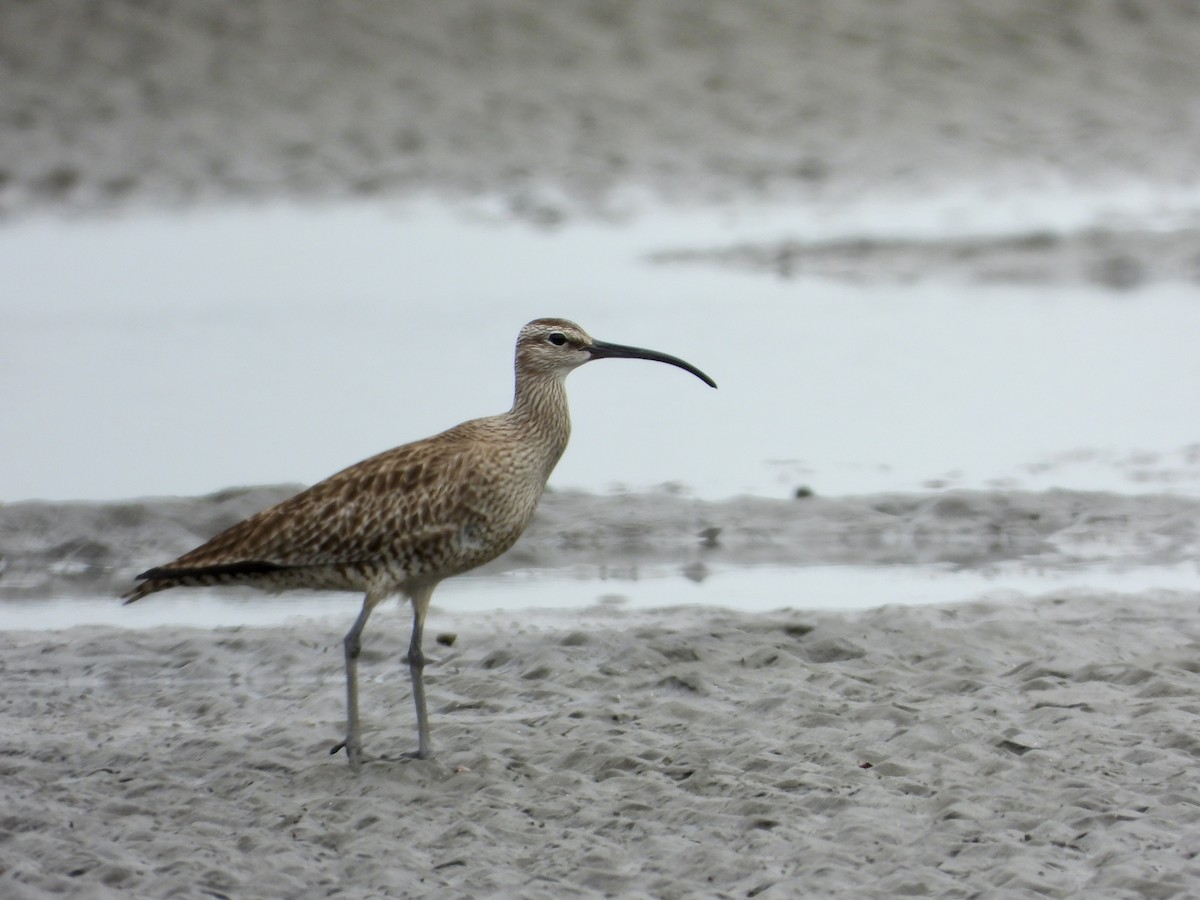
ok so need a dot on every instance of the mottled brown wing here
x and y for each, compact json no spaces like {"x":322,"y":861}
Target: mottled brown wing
{"x":401,"y":505}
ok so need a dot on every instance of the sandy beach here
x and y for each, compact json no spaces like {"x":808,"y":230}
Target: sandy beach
{"x":1005,"y":749}
{"x":1013,"y":745}
{"x":1014,"y":742}
{"x":557,"y":112}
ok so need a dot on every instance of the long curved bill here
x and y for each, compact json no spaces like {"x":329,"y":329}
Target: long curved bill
{"x":605,"y":350}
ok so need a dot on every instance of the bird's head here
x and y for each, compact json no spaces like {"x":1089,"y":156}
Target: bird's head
{"x":556,"y":346}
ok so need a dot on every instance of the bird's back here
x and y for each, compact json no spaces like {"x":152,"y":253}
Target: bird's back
{"x":425,"y":510}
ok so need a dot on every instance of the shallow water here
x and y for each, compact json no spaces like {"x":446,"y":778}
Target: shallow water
{"x":747,"y":589}
{"x":183,"y":354}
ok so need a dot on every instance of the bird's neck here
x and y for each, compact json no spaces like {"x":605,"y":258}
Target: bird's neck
{"x":540,"y":411}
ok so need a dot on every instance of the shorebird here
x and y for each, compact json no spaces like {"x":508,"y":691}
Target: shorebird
{"x":399,"y":523}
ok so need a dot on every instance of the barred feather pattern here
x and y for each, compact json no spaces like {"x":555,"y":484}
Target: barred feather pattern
{"x":430,"y":509}
{"x":423,"y":511}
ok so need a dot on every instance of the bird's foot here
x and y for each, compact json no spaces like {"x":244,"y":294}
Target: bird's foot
{"x":356,"y":758}
{"x":353,"y":752}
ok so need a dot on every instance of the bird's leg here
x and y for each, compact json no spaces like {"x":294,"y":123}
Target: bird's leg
{"x":416,"y":666}
{"x":353,"y":645}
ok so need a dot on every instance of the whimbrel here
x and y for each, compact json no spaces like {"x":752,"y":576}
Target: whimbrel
{"x":399,"y":523}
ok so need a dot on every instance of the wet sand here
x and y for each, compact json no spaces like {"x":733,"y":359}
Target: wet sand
{"x":1111,"y":259}
{"x":556,"y":111}
{"x":1003,"y":749}
{"x":89,"y":549}
{"x":516,"y":112}
{"x":1008,"y":746}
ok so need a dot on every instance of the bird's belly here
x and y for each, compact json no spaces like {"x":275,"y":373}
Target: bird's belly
{"x":476,"y":543}
{"x":482,"y":536}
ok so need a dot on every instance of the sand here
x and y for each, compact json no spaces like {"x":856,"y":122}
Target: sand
{"x":558,"y":112}
{"x":1008,"y":746}
{"x":90,"y":549}
{"x":1002,"y":749}
{"x":1111,"y":259}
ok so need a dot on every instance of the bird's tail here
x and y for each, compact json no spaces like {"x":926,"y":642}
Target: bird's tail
{"x":147,"y":587}
{"x":255,"y":573}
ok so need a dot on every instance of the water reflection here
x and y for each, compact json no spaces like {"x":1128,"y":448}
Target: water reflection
{"x":584,"y":588}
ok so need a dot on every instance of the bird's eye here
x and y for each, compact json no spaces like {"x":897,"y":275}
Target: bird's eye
{"x":557,"y":338}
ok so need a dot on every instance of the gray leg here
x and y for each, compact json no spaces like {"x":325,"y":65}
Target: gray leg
{"x":352,"y":645}
{"x":416,"y":666}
